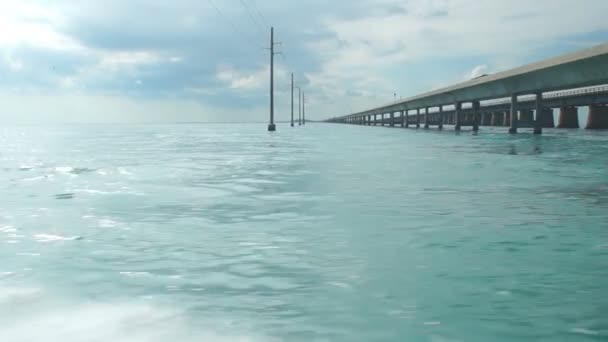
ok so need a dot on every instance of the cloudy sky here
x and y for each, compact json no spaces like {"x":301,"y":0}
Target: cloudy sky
{"x":204,"y":60}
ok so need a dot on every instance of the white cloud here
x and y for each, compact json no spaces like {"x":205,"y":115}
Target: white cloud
{"x":351,"y":57}
{"x":83,"y":108}
{"x":367,"y":53}
{"x":476,"y":72}
{"x":116,"y":60}
{"x":30,"y":23}
{"x":240,"y":80}
{"x":13,"y":63}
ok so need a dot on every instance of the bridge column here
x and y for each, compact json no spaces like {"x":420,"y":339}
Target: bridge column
{"x":526,"y":115}
{"x":568,"y":117}
{"x":494,"y":119}
{"x":441,"y":117}
{"x":475,"y":116}
{"x":506,"y":119}
{"x":407,"y":119}
{"x":402,"y":115}
{"x":392,"y":119}
{"x":598,"y":117}
{"x":418,"y":118}
{"x":457,"y":114}
{"x":426,"y":117}
{"x":513,"y":128}
{"x":538,"y":124}
{"x":488,"y":119}
{"x":547,"y":117}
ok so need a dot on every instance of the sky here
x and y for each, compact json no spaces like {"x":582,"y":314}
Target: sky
{"x":148,"y":61}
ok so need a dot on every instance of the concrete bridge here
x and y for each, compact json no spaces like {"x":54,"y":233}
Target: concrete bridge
{"x":523,"y":97}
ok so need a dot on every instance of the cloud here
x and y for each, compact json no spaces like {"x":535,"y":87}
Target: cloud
{"x":476,"y":72}
{"x":346,"y":55}
{"x":429,"y":40}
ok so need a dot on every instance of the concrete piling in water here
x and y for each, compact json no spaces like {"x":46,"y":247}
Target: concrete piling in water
{"x":538,"y":123}
{"x":475,"y":116}
{"x":497,"y":119}
{"x":547,"y":118}
{"x":568,"y":117}
{"x":514,"y":119}
{"x":598,"y":117}
{"x":457,"y":114}
{"x":507,"y":119}
{"x":486,"y":119}
{"x":526,"y":115}
{"x":418,"y":118}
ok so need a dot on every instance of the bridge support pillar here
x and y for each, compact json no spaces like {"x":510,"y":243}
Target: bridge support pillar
{"x":426,"y":118}
{"x":486,"y":119}
{"x":406,"y":119}
{"x":392,"y":119}
{"x":507,"y":119}
{"x":441,"y":117}
{"x":475,"y":116}
{"x":547,"y":118}
{"x":568,"y":117}
{"x":513,"y":127}
{"x":402,"y":115}
{"x":598,"y":117}
{"x":496,"y":119}
{"x":538,"y":124}
{"x":457,"y":115}
{"x":418,"y":118}
{"x":526,"y":115}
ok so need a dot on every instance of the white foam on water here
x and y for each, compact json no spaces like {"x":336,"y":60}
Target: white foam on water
{"x":584,"y":331}
{"x":64,"y":169}
{"x":7,"y":229}
{"x":53,"y":238}
{"x":107,"y":223}
{"x":123,"y":171}
{"x":27,"y":315}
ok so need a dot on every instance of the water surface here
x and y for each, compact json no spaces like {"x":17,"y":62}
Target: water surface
{"x":318,"y":233}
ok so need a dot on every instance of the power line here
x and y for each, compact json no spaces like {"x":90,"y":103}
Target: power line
{"x":234,"y":27}
{"x":255,"y":7}
{"x":251,"y":16}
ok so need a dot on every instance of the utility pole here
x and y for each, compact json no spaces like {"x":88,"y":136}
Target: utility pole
{"x":292,"y":99}
{"x":271,"y":126}
{"x":303,"y":109}
{"x":299,"y":106}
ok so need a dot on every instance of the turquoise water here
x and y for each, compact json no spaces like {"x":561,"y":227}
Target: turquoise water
{"x":320,"y":233}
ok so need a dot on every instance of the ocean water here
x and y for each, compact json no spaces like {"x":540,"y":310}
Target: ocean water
{"x":319,"y":233}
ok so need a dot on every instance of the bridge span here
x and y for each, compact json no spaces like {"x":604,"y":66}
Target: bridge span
{"x":523,"y":97}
